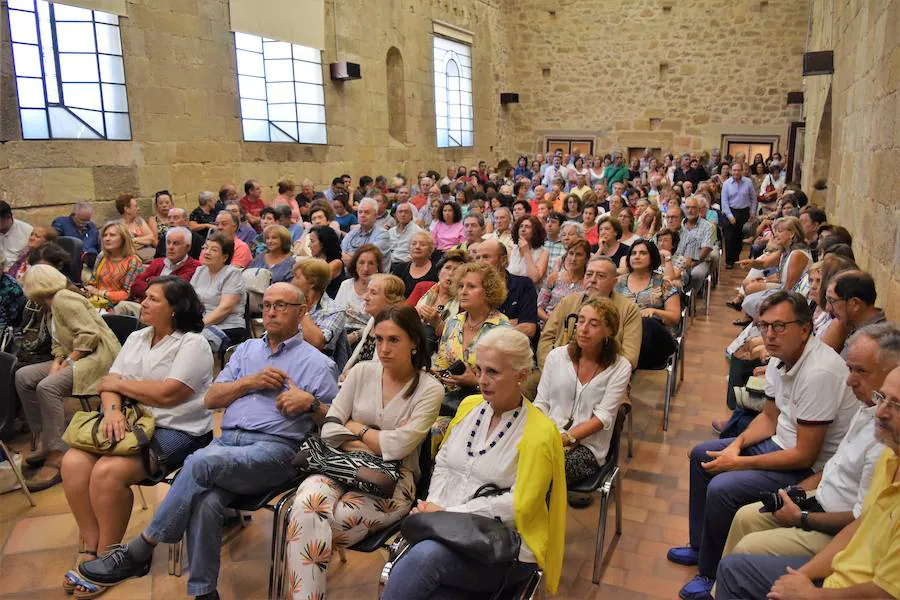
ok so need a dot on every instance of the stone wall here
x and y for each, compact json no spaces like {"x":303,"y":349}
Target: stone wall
{"x":662,"y":73}
{"x":182,"y":92}
{"x":862,"y":176}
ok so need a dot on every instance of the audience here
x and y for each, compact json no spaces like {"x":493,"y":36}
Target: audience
{"x":143,"y":236}
{"x":367,"y":234}
{"x":610,"y":231}
{"x":851,"y":297}
{"x":275,"y":392}
{"x":401,"y":234}
{"x":383,"y":291}
{"x":420,"y":266}
{"x":738,"y":205}
{"x":520,"y":306}
{"x":178,"y":218}
{"x":566,"y":281}
{"x":252,"y":203}
{"x":159,"y":220}
{"x":220,"y":287}
{"x":165,"y":369}
{"x":246,"y":233}
{"x":529,"y":258}
{"x":323,"y":323}
{"x":79,"y":225}
{"x":14,"y":234}
{"x":436,"y":302}
{"x":448,"y":231}
{"x":177,"y":262}
{"x":38,"y":237}
{"x":498,"y":438}
{"x":696,"y":243}
{"x":83,"y":348}
{"x":203,"y":218}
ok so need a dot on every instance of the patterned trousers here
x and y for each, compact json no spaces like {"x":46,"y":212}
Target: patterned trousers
{"x":327,"y":514}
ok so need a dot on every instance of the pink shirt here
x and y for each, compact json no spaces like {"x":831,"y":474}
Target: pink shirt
{"x":295,"y":208}
{"x":242,"y":255}
{"x":446,"y":236}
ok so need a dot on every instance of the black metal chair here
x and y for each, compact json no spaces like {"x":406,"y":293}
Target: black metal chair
{"x":606,"y":481}
{"x":7,"y":375}
{"x":122,"y":325}
{"x":75,"y":248}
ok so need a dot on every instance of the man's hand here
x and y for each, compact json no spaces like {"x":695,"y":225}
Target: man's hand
{"x":789,"y":514}
{"x":793,"y":586}
{"x":269,"y":378}
{"x":109,"y":383}
{"x":727,"y":459}
{"x":733,"y":221}
{"x":58,"y":365}
{"x":294,"y":401}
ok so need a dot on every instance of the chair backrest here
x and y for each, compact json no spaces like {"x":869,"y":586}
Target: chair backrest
{"x":75,"y":248}
{"x":9,"y":404}
{"x":121,"y":325}
{"x":425,"y":467}
{"x":621,"y":417}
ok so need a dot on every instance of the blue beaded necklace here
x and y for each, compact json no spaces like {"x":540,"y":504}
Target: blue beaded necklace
{"x":503,"y":430}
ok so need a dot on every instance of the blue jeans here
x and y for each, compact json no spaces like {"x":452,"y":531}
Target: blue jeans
{"x":749,"y":576}
{"x":432,"y":571}
{"x":715,"y":499}
{"x":239,"y":462}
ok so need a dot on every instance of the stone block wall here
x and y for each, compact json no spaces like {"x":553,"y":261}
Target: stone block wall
{"x":864,"y":142}
{"x":663,"y":73}
{"x":182,"y":93}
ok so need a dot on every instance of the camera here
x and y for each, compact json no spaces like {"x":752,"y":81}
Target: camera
{"x":772,"y":500}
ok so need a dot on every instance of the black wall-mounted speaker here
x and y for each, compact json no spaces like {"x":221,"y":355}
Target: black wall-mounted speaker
{"x":345,"y":71}
{"x":818,"y":63}
{"x":509,"y":98}
{"x":795,"y":97}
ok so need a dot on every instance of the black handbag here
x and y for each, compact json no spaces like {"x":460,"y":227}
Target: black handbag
{"x":476,"y":537}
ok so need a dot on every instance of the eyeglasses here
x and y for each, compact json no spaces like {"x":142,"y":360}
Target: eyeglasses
{"x":833,"y":301}
{"x":278,"y":306}
{"x":777,"y":326}
{"x":878,"y":398}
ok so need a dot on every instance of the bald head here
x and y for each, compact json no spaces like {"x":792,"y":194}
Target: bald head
{"x":492,"y":252}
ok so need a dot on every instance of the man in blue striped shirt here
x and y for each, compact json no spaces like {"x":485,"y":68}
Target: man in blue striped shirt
{"x":738,"y":204}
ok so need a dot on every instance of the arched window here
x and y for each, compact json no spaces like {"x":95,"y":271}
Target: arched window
{"x":454,"y":115}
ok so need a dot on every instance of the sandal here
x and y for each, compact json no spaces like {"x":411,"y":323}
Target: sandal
{"x":71,"y":579}
{"x":90,"y":589}
{"x":735,"y":304}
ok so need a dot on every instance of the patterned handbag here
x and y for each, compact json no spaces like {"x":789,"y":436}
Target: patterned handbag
{"x":366,"y":472}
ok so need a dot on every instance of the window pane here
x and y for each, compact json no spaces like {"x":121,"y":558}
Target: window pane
{"x":452,"y":93}
{"x":254,"y":109}
{"x":276,"y":50}
{"x":27,"y":60}
{"x":252,"y":87}
{"x":467,"y":138}
{"x":51,"y":85}
{"x":102,"y":17}
{"x":280,"y":92}
{"x":114,"y":98}
{"x":112,"y":69}
{"x":63,"y":12}
{"x":22,"y":27}
{"x":279,"y":70}
{"x":108,"y":40}
{"x":307,"y":72}
{"x":31,"y":93}
{"x":250,"y":63}
{"x":310,"y":93}
{"x":34,"y":124}
{"x":308,"y":54}
{"x":256,"y":131}
{"x":75,"y":37}
{"x":310,"y":113}
{"x":78,"y":67}
{"x":278,"y":134}
{"x":21,"y":4}
{"x":91,"y":117}
{"x":442,"y":139}
{"x":245,"y":41}
{"x":282,"y":112}
{"x":81,"y":95}
{"x":117,"y":126}
{"x":63,"y":124}
{"x":311,"y":133}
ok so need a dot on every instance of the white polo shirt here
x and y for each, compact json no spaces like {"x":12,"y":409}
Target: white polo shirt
{"x":13,"y":242}
{"x":812,"y":392}
{"x":847,"y":476}
{"x":185,"y":357}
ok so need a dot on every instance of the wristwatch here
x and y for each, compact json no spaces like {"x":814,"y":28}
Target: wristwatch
{"x":804,"y":520}
{"x":314,"y":407}
{"x":362,"y":433}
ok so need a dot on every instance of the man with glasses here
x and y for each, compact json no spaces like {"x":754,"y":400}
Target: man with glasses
{"x":863,"y":560}
{"x":808,"y":412}
{"x":850,"y":297}
{"x":275,"y":391}
{"x":840,"y":488}
{"x":696,"y":242}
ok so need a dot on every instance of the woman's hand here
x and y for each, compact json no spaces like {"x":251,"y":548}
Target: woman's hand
{"x":114,"y":425}
{"x":58,"y":365}
{"x":92,"y":290}
{"x":426,"y":507}
{"x":467,"y":379}
{"x":429,"y":314}
{"x":648,"y":312}
{"x":109,"y":383}
{"x":524,"y":247}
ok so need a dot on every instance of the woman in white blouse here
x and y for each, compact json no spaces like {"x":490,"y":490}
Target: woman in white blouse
{"x":166,"y":367}
{"x":582,"y":386}
{"x":498,"y":438}
{"x":366,"y":261}
{"x":385,"y":408}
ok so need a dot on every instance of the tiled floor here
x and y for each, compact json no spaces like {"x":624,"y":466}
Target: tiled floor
{"x":38,"y":544}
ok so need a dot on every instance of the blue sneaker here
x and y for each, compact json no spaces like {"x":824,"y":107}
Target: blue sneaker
{"x":685,"y":555}
{"x":698,"y":588}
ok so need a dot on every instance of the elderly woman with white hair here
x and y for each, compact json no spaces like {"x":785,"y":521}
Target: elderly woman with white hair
{"x":83,"y":349}
{"x":497,"y":440}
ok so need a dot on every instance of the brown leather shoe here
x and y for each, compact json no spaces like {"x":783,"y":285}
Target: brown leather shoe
{"x":46,"y":477}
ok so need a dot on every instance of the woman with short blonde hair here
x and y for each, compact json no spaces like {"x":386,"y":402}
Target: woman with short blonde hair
{"x":117,"y":267}
{"x":277,"y":256}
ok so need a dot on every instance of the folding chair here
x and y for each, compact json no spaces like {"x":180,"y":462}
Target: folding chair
{"x":9,"y":401}
{"x":75,"y":248}
{"x":122,"y":325}
{"x":606,"y":481}
{"x":5,"y":454}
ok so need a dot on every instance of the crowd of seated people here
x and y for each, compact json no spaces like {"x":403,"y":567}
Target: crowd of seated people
{"x":517,"y":302}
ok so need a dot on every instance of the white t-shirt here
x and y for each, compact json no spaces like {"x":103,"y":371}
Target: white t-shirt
{"x":210,"y":289}
{"x":185,"y":357}
{"x":814,"y":391}
{"x":13,"y":242}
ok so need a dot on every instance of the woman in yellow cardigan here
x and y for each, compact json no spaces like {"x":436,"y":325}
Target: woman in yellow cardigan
{"x":497,"y":437}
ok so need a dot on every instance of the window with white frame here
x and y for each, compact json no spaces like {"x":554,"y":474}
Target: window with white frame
{"x":281,"y":90}
{"x":455,"y":118}
{"x":70,"y":77}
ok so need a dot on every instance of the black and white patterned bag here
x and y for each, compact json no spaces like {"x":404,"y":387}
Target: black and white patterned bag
{"x":366,"y":472}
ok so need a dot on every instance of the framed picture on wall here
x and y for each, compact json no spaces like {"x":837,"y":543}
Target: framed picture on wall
{"x":569,"y":145}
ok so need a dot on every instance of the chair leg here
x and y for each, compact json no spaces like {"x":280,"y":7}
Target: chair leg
{"x":18,"y":473}
{"x":280,"y":521}
{"x":670,"y":375}
{"x":618,"y":489}
{"x":708,"y":292}
{"x":601,"y":533}
{"x":175,"y":552}
{"x":140,"y":493}
{"x":631,"y":433}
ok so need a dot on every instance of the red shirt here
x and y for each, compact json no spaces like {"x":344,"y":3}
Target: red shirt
{"x":418,"y":201}
{"x":252,"y":206}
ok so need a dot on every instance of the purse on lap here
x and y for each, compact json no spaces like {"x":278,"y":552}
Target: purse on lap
{"x":83,"y":432}
{"x":366,"y":472}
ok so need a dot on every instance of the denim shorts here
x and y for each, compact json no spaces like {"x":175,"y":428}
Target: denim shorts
{"x":175,"y":446}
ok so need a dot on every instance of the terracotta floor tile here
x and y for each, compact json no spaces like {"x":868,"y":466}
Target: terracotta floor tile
{"x":42,"y":533}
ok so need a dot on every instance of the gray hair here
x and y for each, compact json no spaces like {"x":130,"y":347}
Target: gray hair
{"x":477,"y":216}
{"x":175,"y":210}
{"x":887,"y":336}
{"x":234,"y":218}
{"x":572,"y":225}
{"x":205,"y":198}
{"x":504,"y":209}
{"x":184,"y":231}
{"x":605,"y":259}
{"x":83,"y":206}
{"x":510,"y":342}
{"x":370,"y":202}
